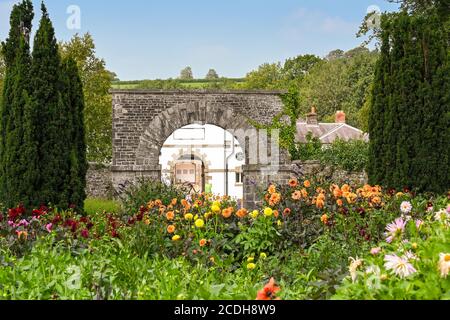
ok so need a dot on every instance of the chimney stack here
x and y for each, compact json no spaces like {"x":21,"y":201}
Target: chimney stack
{"x":340,"y":117}
{"x":311,"y":118}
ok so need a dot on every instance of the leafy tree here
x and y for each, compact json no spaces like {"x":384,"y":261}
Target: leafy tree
{"x":212,"y":75}
{"x":186,"y":74}
{"x":113,"y":76}
{"x":267,"y":76}
{"x":18,"y":152}
{"x":295,"y":69}
{"x":335,"y":54}
{"x":96,"y":82}
{"x":422,"y":6}
{"x":339,"y":84}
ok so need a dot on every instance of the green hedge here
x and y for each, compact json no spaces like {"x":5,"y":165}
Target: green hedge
{"x":348,"y":155}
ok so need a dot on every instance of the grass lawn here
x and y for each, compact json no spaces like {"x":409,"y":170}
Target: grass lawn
{"x":94,"y":205}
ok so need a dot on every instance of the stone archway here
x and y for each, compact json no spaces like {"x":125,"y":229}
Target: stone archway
{"x":193,"y":155}
{"x":144,"y":119}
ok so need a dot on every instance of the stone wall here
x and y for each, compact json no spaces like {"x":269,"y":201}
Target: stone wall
{"x":255,"y":182}
{"x":144,"y":119}
{"x":257,"y":179}
{"x":325,"y":173}
{"x":99,"y":181}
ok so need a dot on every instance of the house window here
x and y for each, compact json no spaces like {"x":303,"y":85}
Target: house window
{"x":191,"y":171}
{"x":178,"y":172}
{"x":239,"y":177}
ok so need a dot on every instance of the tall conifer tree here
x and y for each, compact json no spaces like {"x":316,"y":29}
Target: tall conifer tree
{"x":42,"y":143}
{"x":17,"y":148}
{"x":378,"y":119}
{"x":410,"y":112}
{"x":77,"y":163}
{"x":51,"y":115}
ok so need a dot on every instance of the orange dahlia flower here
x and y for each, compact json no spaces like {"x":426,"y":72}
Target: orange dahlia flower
{"x":171,"y":229}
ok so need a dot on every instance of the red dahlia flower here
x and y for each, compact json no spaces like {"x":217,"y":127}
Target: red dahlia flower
{"x":269,"y":291}
{"x":85,"y":233}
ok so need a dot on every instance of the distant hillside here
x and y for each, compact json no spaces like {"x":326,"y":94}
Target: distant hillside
{"x":222,"y":83}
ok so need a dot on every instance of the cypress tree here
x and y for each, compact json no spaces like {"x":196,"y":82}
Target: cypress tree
{"x":403,"y":113}
{"x":42,"y":143}
{"x":77,"y":163}
{"x":51,"y":115}
{"x":433,"y":165}
{"x":377,"y":123}
{"x":412,"y":95}
{"x":17,"y":171}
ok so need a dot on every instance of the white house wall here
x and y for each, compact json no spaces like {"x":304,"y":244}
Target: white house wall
{"x":207,"y":141}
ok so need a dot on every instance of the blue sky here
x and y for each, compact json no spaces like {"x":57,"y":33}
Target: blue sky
{"x":149,"y":39}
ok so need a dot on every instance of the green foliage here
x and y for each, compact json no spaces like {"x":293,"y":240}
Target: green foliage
{"x":18,"y":153}
{"x":53,"y":137}
{"x":22,"y":13}
{"x":2,"y":73}
{"x":423,"y":251}
{"x":341,"y":83}
{"x":424,"y":6}
{"x":61,"y":255}
{"x":77,"y":164}
{"x":96,"y":81}
{"x":95,"y":205}
{"x":186,"y":74}
{"x":410,"y":108}
{"x":259,"y":237}
{"x":281,"y":76}
{"x":311,"y":150}
{"x":177,"y":84}
{"x":112,"y":272}
{"x":221,"y":83}
{"x":161,"y":84}
{"x":140,"y":193}
{"x":212,"y":74}
{"x":350,"y":155}
{"x":295,"y":69}
{"x":42,"y":149}
{"x":267,"y":76}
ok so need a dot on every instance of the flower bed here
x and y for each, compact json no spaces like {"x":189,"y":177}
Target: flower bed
{"x":302,"y":237}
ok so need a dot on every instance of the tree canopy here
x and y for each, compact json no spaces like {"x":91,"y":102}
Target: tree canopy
{"x":340,"y":84}
{"x":186,"y":74}
{"x":96,"y":80}
{"x":211,"y":75}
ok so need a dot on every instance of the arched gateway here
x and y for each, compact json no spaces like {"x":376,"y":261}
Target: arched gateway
{"x":144,"y":119}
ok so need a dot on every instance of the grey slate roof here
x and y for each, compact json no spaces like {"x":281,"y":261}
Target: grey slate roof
{"x":328,"y":132}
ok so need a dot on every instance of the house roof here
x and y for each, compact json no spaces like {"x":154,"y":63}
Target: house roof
{"x":329,"y":132}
